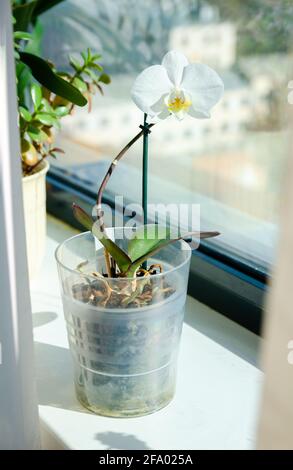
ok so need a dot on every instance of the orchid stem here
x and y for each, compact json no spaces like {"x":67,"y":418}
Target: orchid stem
{"x":145,"y":175}
{"x":104,"y":184}
{"x":145,"y":172}
{"x":108,"y":175}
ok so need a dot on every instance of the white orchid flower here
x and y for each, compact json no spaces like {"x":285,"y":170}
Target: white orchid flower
{"x":177,"y":87}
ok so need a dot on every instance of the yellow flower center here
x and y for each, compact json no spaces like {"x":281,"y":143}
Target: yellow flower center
{"x":178,"y":103}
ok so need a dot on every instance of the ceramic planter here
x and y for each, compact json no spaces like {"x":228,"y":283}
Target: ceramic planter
{"x":124,"y":357}
{"x":34,"y":200}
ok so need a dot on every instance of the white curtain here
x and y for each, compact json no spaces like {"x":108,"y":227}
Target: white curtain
{"x":276,"y":419}
{"x":18,"y":404}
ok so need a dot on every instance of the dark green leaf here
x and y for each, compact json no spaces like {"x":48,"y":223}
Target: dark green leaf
{"x":105,"y":78}
{"x":44,"y":5}
{"x":36,"y":94}
{"x":25,"y":114}
{"x":43,"y":73}
{"x":23,"y":15}
{"x":98,"y":67}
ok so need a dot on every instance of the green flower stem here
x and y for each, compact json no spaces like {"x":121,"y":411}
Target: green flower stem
{"x":145,"y":175}
{"x":145,"y":171}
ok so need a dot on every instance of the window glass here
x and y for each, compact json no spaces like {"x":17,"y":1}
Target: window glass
{"x":233,"y":163}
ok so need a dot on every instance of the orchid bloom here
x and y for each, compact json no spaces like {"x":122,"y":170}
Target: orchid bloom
{"x":177,"y":87}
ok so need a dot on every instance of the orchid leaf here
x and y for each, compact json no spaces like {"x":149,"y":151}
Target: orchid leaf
{"x":162,"y":244}
{"x":122,"y":259}
{"x":82,"y":217}
{"x":145,"y":239}
{"x":36,"y":93}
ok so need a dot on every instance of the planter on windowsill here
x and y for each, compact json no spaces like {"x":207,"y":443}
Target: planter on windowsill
{"x":34,"y":201}
{"x":125,"y":354}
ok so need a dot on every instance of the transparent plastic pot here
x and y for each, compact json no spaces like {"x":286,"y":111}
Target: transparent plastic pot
{"x":124,"y":357}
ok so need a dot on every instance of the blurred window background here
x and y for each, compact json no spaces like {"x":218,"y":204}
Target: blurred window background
{"x":233,"y":163}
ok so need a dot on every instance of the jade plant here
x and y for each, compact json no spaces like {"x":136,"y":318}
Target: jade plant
{"x":174,"y":88}
{"x":46,"y":95}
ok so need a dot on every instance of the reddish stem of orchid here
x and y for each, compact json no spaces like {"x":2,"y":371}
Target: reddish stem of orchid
{"x":109,"y":173}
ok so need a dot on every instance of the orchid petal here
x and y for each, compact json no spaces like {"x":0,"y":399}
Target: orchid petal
{"x":174,"y":62}
{"x":203,"y":85}
{"x":198,"y":113}
{"x":149,"y":87}
{"x":160,"y":108}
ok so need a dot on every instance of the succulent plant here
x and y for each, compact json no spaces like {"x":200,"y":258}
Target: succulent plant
{"x":45,"y":94}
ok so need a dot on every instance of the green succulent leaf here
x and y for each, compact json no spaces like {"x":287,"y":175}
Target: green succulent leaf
{"x":80,"y":84}
{"x":25,"y":114}
{"x":45,"y":119}
{"x":36,"y":94}
{"x":94,"y":65}
{"x":37,"y":135}
{"x":43,"y":73}
{"x":61,"y":111}
{"x":75,"y":63}
{"x":104,"y":78}
{"x":96,"y":57}
{"x":46,"y":107}
{"x":91,"y":74}
{"x":22,"y":35}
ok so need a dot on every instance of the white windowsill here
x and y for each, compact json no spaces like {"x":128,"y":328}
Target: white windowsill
{"x":216,"y":401}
